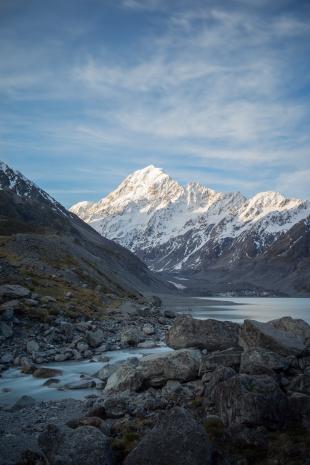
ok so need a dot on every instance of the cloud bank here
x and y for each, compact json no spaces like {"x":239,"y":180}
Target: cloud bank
{"x":211,"y":91}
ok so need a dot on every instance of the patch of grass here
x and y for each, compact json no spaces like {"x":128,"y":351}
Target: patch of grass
{"x":126,"y":443}
{"x":253,"y":455}
{"x":214,"y":427}
{"x":291,"y":446}
{"x":197,"y":402}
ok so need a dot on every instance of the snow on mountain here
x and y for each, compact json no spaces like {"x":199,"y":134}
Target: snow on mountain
{"x":13,"y":180}
{"x":174,"y":227}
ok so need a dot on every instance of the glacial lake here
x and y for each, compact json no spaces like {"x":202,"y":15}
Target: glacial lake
{"x":255,"y":308}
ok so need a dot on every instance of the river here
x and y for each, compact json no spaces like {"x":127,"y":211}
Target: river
{"x":13,"y":384}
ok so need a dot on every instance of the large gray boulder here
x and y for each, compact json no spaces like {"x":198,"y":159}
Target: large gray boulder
{"x":8,"y":308}
{"x":180,"y":365}
{"x":82,"y":446}
{"x":299,"y":409}
{"x":14,"y":291}
{"x":255,"y":400}
{"x":203,"y":334}
{"x":260,"y":361}
{"x":23,"y":402}
{"x":295,"y":326}
{"x":177,"y":439}
{"x":227,"y":358}
{"x":131,"y":336}
{"x":300,"y":383}
{"x":212,"y":378}
{"x":32,"y":346}
{"x":5,"y":330}
{"x":125,"y":378}
{"x":95,"y":338}
{"x":286,"y":336}
{"x":155,"y":370}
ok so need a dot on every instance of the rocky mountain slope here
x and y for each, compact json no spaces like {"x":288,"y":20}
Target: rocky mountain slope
{"x":226,"y":241}
{"x":45,"y":245}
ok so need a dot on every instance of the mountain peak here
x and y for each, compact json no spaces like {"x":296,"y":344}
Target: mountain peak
{"x":150,"y":183}
{"x":9,"y":176}
{"x":150,"y":175}
{"x":14,"y":181}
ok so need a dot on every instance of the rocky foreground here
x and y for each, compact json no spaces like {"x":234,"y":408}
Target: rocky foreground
{"x":226,"y":395}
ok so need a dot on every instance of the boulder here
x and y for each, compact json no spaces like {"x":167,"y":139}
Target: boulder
{"x":52,"y":382}
{"x":23,"y":402}
{"x":9,"y":308}
{"x":82,"y":346}
{"x":262,"y":361}
{"x":5,"y":330}
{"x":46,"y":372}
{"x":115,"y":406}
{"x":169,"y":314}
{"x":14,"y":291}
{"x":177,"y":439}
{"x":251,"y":400}
{"x":285,"y":336}
{"x":213,"y":378}
{"x":180,"y":365}
{"x":299,"y":409}
{"x":304,"y":362}
{"x":81,"y":384}
{"x":149,"y":344}
{"x":85,"y":445}
{"x":32,"y":346}
{"x":131,"y":337}
{"x":227,"y":358}
{"x":6,"y":358}
{"x":301,"y":384}
{"x":291,"y":325}
{"x":204,"y":334}
{"x":26,"y":366}
{"x":63,"y":356}
{"x":106,"y":371}
{"x":125,"y":378}
{"x":148,"y":329}
{"x":95,"y":338}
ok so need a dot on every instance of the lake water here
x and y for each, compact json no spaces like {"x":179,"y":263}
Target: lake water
{"x":256,"y":308}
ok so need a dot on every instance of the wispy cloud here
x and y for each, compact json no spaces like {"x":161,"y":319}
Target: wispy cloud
{"x":214,"y":85}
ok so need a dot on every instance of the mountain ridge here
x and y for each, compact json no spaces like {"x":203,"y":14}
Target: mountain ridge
{"x":171,"y":226}
{"x":40,"y":238}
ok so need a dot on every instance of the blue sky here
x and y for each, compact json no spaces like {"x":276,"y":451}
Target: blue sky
{"x":211,"y":91}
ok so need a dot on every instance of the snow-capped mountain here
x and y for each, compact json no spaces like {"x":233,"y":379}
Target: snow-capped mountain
{"x":181,"y":228}
{"x":45,"y":238}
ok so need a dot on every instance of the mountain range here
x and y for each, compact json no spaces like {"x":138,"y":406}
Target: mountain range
{"x":44,"y":244}
{"x":206,"y":241}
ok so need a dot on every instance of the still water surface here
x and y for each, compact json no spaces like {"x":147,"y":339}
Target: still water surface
{"x":256,"y":308}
